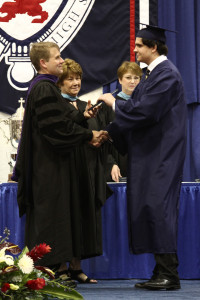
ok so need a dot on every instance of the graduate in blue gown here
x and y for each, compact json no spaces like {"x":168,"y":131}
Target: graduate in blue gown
{"x":151,"y":128}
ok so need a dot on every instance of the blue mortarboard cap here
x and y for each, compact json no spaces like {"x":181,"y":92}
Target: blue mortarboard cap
{"x":153,"y":33}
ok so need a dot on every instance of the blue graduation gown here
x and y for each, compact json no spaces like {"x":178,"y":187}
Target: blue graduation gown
{"x":151,"y":128}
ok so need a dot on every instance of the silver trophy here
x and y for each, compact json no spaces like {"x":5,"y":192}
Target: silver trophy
{"x":10,"y":129}
{"x":15,"y":126}
{"x":16,"y":121}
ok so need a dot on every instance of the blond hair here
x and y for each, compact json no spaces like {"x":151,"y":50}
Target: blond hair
{"x":131,"y":66}
{"x":39,"y":51}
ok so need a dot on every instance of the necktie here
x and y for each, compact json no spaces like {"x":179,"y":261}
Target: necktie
{"x":147,"y":73}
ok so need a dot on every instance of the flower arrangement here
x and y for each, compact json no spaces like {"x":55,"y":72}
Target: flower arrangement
{"x":21,"y":279}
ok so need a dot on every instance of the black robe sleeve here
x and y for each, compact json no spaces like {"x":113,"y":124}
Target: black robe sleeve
{"x":53,"y":118}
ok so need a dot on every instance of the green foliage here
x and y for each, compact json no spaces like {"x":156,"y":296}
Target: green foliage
{"x":61,"y":292}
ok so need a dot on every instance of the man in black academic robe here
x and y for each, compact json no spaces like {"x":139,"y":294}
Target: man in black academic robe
{"x":46,"y":167}
{"x":151,"y":128}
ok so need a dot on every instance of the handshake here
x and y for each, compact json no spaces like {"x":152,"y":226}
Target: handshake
{"x":99,"y":137}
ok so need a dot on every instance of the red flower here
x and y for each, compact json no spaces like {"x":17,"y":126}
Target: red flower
{"x":36,"y":284}
{"x":39,"y":251}
{"x":5,"y":287}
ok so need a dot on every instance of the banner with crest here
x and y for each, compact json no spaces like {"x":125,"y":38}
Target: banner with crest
{"x":95,"y":33}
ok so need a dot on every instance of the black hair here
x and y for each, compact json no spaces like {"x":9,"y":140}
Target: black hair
{"x":161,"y":47}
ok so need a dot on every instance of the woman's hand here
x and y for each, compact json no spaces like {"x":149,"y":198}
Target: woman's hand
{"x":90,"y":113}
{"x":107,"y":98}
{"x":115,"y":173}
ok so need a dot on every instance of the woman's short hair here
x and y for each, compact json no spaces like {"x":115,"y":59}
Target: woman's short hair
{"x":70,"y":66}
{"x":39,"y":51}
{"x":129,"y":66}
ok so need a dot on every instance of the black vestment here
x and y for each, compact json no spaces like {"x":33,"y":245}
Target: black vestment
{"x":53,"y":190}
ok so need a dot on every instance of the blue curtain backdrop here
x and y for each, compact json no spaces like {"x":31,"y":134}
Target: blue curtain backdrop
{"x":184,"y":47}
{"x":184,"y":51}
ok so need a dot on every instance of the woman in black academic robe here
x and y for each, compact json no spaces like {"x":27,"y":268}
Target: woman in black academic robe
{"x":90,"y":181}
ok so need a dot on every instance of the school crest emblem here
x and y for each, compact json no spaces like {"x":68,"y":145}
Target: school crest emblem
{"x":26,"y":21}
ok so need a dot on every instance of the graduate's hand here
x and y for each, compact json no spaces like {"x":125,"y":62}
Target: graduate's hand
{"x":98,"y":138}
{"x":90,"y":113}
{"x":107,"y":98}
{"x":115,"y":173}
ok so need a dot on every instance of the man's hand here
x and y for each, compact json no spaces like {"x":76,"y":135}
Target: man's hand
{"x":115,"y":173}
{"x":99,"y":137}
{"x":107,"y":98}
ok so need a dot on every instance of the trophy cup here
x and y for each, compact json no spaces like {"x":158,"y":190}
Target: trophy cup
{"x":15,"y":125}
{"x":16,"y":121}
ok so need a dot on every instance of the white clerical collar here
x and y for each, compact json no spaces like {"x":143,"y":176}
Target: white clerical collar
{"x":156,"y":61}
